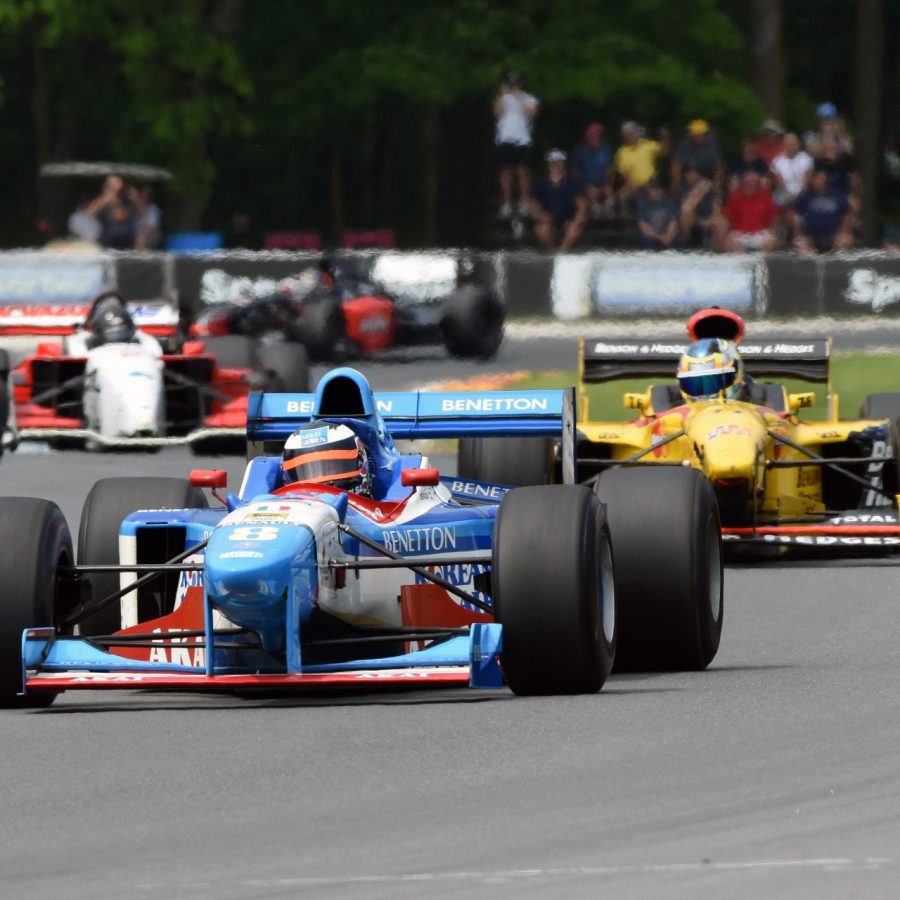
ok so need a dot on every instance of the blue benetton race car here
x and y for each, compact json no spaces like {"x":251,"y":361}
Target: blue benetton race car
{"x":425,"y":580}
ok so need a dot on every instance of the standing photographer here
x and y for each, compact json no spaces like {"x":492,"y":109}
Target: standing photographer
{"x":515,"y":111}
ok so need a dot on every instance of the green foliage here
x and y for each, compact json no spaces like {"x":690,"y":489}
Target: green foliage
{"x":304,"y":98}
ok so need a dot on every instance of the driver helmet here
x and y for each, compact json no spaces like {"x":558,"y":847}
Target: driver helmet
{"x":709,"y":367}
{"x":326,"y":453}
{"x":112,"y":324}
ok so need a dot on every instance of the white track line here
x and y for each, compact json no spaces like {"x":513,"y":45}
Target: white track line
{"x":824,"y":864}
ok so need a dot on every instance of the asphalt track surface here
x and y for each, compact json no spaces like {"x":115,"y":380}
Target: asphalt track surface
{"x":773,"y":774}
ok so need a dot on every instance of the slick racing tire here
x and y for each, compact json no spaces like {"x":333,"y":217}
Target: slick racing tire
{"x":553,"y":590}
{"x":232,"y":351}
{"x":887,"y":406}
{"x":472,"y":323}
{"x":516,"y":461}
{"x":286,"y":366}
{"x":322,"y":328}
{"x":4,"y":395}
{"x":110,"y":500}
{"x":34,"y":542}
{"x":667,"y":546}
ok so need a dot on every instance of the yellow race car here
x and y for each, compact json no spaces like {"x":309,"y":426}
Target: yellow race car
{"x":779,"y":479}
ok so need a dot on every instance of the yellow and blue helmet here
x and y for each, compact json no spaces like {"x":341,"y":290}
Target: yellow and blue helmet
{"x":710,"y":367}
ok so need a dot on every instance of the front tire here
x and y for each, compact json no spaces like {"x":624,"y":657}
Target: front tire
{"x":666,"y":540}
{"x":34,"y":542}
{"x":110,"y":500}
{"x":553,"y":590}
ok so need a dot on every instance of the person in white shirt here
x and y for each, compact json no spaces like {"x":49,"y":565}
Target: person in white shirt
{"x":791,"y":171}
{"x":514,"y":111}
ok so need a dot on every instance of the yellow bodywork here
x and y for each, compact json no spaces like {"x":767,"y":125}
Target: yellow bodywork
{"x":731,"y":442}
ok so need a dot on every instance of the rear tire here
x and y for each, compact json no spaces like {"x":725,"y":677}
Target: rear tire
{"x":110,"y":500}
{"x":286,"y":365}
{"x":666,"y":540}
{"x":472,"y":323}
{"x":34,"y":541}
{"x":322,"y":328}
{"x":553,"y":590}
{"x":232,"y":351}
{"x":516,"y":461}
{"x":887,"y":406}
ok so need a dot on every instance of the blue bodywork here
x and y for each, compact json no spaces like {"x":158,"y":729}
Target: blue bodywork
{"x":263,"y":564}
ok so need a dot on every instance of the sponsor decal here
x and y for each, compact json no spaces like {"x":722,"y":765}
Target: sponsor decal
{"x":723,"y":430}
{"x":314,"y":437}
{"x":638,"y":349}
{"x":267,"y":517}
{"x":777,"y":349}
{"x":494,"y":404}
{"x":42,"y":279}
{"x":241,"y":554}
{"x":305,"y":407}
{"x":184,"y":655}
{"x":406,"y":541}
{"x":188,"y":580}
{"x":254,"y":533}
{"x":626,"y":284}
{"x":374,"y":324}
{"x":461,"y":575}
{"x":217,"y":286}
{"x":822,"y":540}
{"x":864,"y":519}
{"x":867,"y":288}
{"x":881,"y":450}
{"x":473,"y":489}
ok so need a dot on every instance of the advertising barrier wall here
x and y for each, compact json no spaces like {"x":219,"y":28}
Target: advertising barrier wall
{"x":601,"y":285}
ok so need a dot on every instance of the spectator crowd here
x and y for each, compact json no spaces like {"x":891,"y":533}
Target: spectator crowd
{"x":781,"y":191}
{"x":121,"y":217}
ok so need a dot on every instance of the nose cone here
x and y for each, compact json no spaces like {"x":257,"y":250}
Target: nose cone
{"x":730,"y":439}
{"x":250,"y":567}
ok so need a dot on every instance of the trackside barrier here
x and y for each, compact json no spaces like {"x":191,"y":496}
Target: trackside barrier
{"x":602,"y":285}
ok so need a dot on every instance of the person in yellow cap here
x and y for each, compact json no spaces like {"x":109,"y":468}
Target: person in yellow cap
{"x":635,"y":160}
{"x":699,"y":150}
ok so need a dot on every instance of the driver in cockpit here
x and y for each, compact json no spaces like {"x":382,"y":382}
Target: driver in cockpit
{"x":712,"y":367}
{"x":328,"y":453}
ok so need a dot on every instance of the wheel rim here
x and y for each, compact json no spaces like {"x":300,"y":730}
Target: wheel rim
{"x":607,"y":587}
{"x":714,"y":569}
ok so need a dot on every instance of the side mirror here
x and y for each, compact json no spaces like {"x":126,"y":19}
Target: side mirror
{"x":209,"y":478}
{"x":635,"y":401}
{"x":420,"y":477}
{"x":801,"y":401}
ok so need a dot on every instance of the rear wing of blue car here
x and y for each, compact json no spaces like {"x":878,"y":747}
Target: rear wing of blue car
{"x":806,"y":359}
{"x":415,"y":415}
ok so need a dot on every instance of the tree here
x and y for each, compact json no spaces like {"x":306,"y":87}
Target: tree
{"x":869,"y":77}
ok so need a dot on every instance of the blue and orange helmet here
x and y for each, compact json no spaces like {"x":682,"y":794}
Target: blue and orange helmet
{"x":328,"y":453}
{"x":710,"y":367}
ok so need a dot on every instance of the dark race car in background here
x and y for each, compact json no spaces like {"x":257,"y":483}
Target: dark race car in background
{"x":336,"y":312}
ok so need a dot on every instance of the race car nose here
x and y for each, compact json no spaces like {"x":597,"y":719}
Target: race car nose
{"x":250,"y":571}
